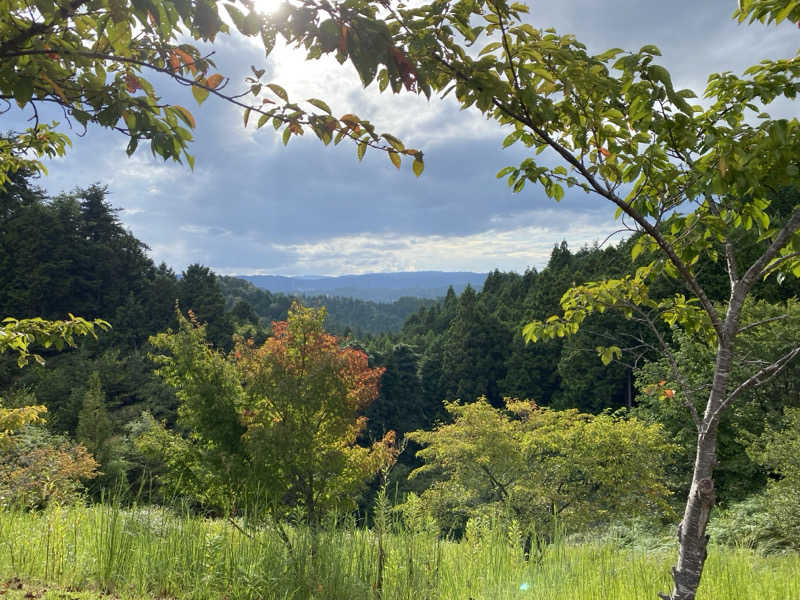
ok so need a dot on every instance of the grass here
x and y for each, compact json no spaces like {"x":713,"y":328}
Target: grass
{"x":84,"y":553}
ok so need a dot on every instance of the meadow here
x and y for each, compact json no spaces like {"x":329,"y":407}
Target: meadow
{"x":82,"y":552}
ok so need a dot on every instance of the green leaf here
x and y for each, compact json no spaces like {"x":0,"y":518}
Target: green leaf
{"x":417,"y":166}
{"x":200,"y":94}
{"x":393,"y":141}
{"x":185,"y":115}
{"x":785,"y":11}
{"x":650,"y":49}
{"x":23,"y":90}
{"x":395,"y":158}
{"x":490,"y":48}
{"x":609,"y":54}
{"x":237,"y":16}
{"x":510,"y":139}
{"x":362,"y":148}
{"x":319,"y":104}
{"x":504,"y":171}
{"x":279,"y":91}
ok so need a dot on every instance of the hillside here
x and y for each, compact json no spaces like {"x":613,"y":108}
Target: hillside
{"x":344,"y":313}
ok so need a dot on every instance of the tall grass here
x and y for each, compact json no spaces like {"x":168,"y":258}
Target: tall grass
{"x":150,"y":552}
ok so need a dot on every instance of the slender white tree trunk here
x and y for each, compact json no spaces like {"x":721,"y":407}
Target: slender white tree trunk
{"x":692,"y":530}
{"x":692,"y":537}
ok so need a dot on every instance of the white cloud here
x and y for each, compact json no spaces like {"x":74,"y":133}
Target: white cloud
{"x":514,"y":248}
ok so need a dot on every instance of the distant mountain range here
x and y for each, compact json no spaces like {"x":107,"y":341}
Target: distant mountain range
{"x":378,"y":287}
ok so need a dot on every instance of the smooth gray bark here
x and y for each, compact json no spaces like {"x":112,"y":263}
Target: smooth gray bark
{"x":692,"y":537}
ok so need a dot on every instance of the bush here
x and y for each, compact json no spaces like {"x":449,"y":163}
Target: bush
{"x":38,"y":468}
{"x":778,"y":449}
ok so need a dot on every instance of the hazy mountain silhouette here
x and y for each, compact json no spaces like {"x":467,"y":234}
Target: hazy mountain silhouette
{"x":379,"y":287}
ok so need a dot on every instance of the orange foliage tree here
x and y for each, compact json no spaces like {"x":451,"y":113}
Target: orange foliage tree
{"x":280,"y":421}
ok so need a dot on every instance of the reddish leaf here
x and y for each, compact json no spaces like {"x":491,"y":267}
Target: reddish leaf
{"x":187,"y":59}
{"x":174,"y":61}
{"x":351,"y":121}
{"x":343,"y":40}
{"x":406,"y":68}
{"x":132,"y":83}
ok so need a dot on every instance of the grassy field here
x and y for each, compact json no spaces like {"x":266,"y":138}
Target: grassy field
{"x":83,"y":553}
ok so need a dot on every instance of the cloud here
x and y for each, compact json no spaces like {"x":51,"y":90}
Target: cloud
{"x":253,"y":206}
{"x":512,"y":248}
{"x":204,"y":230}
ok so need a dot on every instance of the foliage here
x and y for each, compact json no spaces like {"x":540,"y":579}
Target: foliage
{"x":13,"y":419}
{"x":750,"y":524}
{"x":211,"y":460}
{"x":399,"y":405}
{"x":95,"y":430}
{"x":279,"y":421}
{"x":94,"y":425}
{"x":18,"y":335}
{"x":691,"y":179}
{"x":361,"y":317}
{"x":200,"y":292}
{"x":778,"y":328}
{"x":304,"y":396}
{"x":778,"y":449}
{"x":474,"y":352}
{"x":147,"y":552}
{"x":536,"y":464}
{"x":71,"y":253}
{"x":102,"y":63}
{"x":34,"y":468}
{"x":37,"y":468}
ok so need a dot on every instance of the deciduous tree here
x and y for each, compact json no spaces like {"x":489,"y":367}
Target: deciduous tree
{"x":537,"y":464}
{"x":277,"y":422}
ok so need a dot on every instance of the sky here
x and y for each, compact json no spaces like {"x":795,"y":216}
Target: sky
{"x":253,"y":206}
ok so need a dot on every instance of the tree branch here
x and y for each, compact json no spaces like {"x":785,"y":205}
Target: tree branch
{"x":673,"y":363}
{"x":39,"y":28}
{"x":232,"y":99}
{"x":759,"y":378}
{"x":758,"y":268}
{"x":758,"y":323}
{"x":774,"y":264}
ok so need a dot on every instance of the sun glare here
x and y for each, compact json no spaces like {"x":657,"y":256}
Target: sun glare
{"x":267,"y":7}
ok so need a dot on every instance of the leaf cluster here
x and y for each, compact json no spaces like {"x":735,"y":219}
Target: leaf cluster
{"x":538,"y":463}
{"x":18,"y":335}
{"x":276,"y":423}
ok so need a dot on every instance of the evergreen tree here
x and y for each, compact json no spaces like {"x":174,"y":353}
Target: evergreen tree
{"x":95,"y":427}
{"x":474,"y":353}
{"x":200,"y":292}
{"x":400,"y":404}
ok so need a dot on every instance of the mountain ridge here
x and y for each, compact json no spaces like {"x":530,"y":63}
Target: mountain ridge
{"x":378,"y":287}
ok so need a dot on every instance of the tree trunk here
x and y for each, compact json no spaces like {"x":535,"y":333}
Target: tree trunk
{"x":692,"y":538}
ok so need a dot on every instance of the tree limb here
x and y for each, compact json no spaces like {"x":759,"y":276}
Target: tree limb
{"x":760,"y":267}
{"x":757,"y":379}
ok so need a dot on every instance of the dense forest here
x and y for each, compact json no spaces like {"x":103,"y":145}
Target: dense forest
{"x":71,"y":254}
{"x":345,"y":316}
